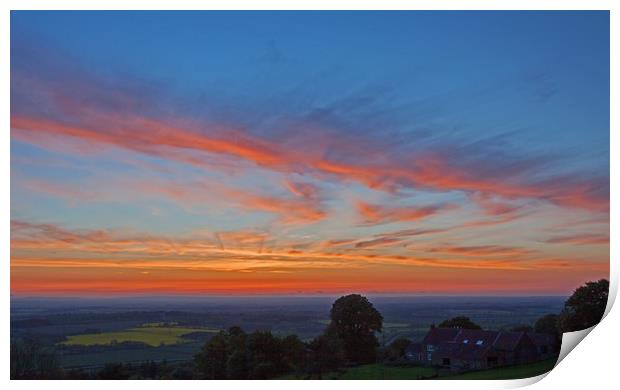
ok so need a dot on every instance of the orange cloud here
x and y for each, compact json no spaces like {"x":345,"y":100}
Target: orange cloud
{"x":379,"y":242}
{"x":53,"y":232}
{"x":338,"y":242}
{"x":493,"y":207}
{"x":304,"y":190}
{"x":482,"y":250}
{"x":405,"y":233}
{"x":245,"y":247}
{"x":298,"y":210}
{"x":48,"y":259}
{"x":290,"y":211}
{"x":376,"y":214}
{"x":431,"y":171}
{"x":241,"y":239}
{"x":581,"y":239}
{"x":148,"y":135}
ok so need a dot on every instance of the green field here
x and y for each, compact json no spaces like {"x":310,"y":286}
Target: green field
{"x":172,"y":352}
{"x":150,"y":335}
{"x":380,"y":371}
{"x":515,"y":372}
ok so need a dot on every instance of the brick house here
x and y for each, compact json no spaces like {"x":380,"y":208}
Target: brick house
{"x":468,"y":349}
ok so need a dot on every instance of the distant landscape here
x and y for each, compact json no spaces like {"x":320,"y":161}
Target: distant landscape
{"x":84,"y":329}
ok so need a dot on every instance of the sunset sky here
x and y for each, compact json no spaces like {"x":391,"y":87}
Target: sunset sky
{"x":246,"y":153}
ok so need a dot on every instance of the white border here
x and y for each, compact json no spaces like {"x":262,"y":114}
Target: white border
{"x":592,"y":363}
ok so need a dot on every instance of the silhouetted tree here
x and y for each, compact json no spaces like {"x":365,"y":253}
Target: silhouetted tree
{"x":266,"y":356}
{"x":522,"y":328}
{"x":154,"y":370}
{"x":183,"y":372}
{"x":327,"y":353}
{"x":114,"y":371}
{"x":294,"y":351}
{"x":233,"y":354}
{"x":30,"y":360}
{"x":77,"y":374}
{"x":354,"y":320}
{"x":547,"y":324}
{"x":585,"y":308}
{"x":211,"y":361}
{"x":460,"y":322}
{"x":396,"y":350}
{"x":237,"y":364}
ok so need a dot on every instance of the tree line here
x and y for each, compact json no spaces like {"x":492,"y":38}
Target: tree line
{"x":349,"y":340}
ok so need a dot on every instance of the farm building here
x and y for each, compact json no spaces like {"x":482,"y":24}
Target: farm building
{"x":545,"y":343}
{"x":468,"y":349}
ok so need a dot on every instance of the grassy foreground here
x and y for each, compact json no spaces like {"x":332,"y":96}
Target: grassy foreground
{"x":515,"y":372}
{"x":153,"y":336}
{"x":380,"y":371}
{"x":376,"y":371}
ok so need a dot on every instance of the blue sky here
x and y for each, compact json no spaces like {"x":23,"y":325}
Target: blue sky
{"x":411,"y":120}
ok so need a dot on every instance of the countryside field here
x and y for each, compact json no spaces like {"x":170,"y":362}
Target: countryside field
{"x":379,"y":371}
{"x":515,"y":372}
{"x":83,"y":330}
{"x":149,"y":335}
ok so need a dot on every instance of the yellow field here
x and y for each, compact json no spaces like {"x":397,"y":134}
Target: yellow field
{"x":153,"y":336}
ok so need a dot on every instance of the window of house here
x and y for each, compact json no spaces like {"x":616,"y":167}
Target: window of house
{"x":445,"y":361}
{"x":465,"y":341}
{"x":479,"y":342}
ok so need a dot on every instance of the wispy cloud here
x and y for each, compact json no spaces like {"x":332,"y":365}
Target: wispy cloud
{"x":580,"y":239}
{"x":482,"y":250}
{"x":407,"y":233}
{"x":91,"y":113}
{"x":374,"y":214}
{"x":378,"y":242}
{"x":291,"y":210}
{"x":234,"y":245}
{"x":292,"y":163}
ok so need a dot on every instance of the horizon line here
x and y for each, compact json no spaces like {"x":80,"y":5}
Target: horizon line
{"x":276,"y":295}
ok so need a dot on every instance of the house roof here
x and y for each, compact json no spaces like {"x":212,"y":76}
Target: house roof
{"x":472,"y":344}
{"x":508,"y":341}
{"x":436,"y":336}
{"x":464,"y":351}
{"x":481,"y":338}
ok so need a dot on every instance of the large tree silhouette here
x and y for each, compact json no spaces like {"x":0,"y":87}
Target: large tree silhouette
{"x":355,"y":320}
{"x":585,"y":308}
{"x":547,"y":324}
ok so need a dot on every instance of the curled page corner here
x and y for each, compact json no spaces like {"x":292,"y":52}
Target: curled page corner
{"x":570,"y":341}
